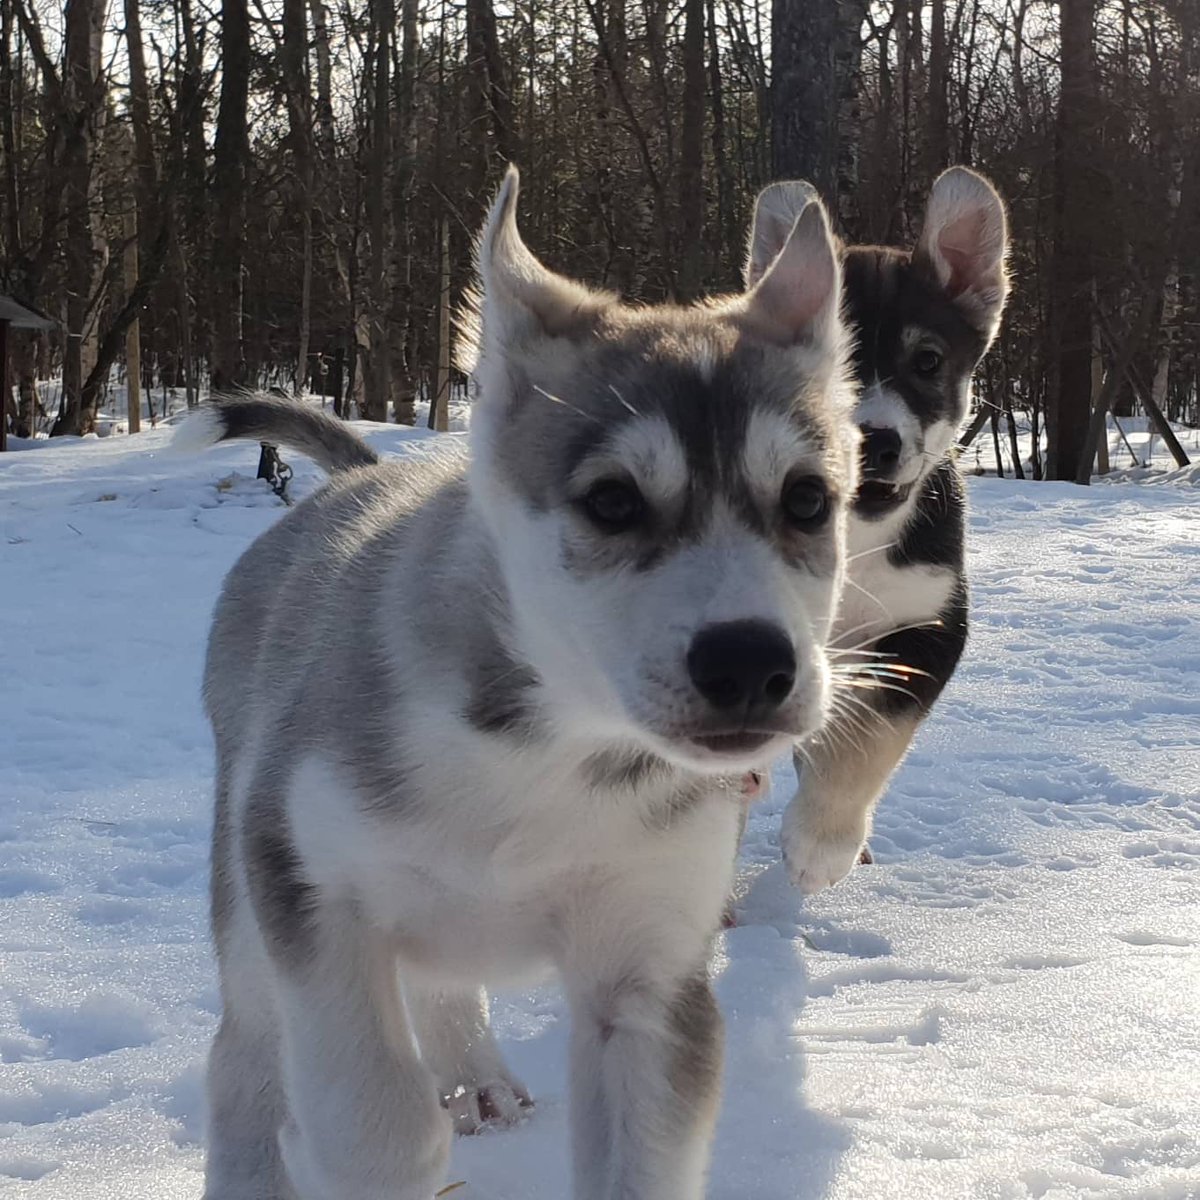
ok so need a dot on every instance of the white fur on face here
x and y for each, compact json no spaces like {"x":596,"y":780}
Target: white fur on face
{"x":648,"y":449}
{"x":939,"y":437}
{"x":775,"y":449}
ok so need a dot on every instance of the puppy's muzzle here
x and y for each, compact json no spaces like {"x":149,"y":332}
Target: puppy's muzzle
{"x":745,"y":670}
{"x":878,"y":493}
{"x":880,"y":452}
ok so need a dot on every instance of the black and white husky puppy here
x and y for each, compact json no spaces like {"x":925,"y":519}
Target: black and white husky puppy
{"x":477,"y":714}
{"x":922,"y":320}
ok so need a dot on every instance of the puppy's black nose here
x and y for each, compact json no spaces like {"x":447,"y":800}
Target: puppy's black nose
{"x":742,"y":664}
{"x":880,"y":451}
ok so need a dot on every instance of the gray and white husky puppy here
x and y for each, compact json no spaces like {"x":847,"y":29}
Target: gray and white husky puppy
{"x":476,"y":714}
{"x":922,"y":320}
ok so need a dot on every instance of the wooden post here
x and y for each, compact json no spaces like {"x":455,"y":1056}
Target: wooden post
{"x":339,"y":368}
{"x":1102,"y":463}
{"x":133,"y":337}
{"x":5,"y":390}
{"x":1124,"y":367}
{"x":978,"y":421}
{"x":440,"y":416}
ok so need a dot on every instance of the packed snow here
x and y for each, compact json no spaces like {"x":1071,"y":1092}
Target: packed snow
{"x":1003,"y":1006}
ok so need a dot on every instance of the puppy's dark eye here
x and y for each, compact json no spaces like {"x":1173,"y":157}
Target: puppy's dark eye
{"x":926,"y":362}
{"x":613,"y":506}
{"x":806,"y":503}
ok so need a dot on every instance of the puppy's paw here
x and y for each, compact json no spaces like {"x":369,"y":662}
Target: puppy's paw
{"x":815,"y":863}
{"x":498,"y":1104}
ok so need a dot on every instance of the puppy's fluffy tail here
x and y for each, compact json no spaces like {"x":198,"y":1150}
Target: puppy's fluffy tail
{"x":313,"y":433}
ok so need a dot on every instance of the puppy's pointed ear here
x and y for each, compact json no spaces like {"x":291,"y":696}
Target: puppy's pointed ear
{"x":798,"y":297}
{"x":963,"y":244}
{"x":775,"y":212}
{"x":520,"y":300}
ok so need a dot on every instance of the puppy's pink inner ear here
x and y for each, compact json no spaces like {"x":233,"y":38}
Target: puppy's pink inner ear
{"x":769,"y":239}
{"x":796,"y":296}
{"x":963,"y":248}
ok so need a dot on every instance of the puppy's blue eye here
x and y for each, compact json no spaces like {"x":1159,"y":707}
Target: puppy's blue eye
{"x":926,"y":362}
{"x":613,"y":506}
{"x":806,"y":503}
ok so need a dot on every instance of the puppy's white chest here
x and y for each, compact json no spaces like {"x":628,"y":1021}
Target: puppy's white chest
{"x":880,"y":596}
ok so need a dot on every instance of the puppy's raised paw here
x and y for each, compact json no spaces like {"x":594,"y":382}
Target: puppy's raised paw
{"x":815,"y":863}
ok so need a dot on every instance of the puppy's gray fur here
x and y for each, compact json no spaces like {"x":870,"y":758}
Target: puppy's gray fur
{"x":457,"y":738}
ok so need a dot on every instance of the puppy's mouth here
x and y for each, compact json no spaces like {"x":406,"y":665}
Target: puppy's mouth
{"x":738,"y":742}
{"x":877,"y":496}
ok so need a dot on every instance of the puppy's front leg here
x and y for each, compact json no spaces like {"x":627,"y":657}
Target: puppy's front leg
{"x":842,"y":775}
{"x":364,"y":1118}
{"x":845,"y":769}
{"x":646,"y":1072}
{"x":647,"y":1038}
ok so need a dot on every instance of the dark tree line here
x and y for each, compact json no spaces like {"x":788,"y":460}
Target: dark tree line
{"x":301,"y":179}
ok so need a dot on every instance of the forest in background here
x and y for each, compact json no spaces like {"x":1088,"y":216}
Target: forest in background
{"x":284,"y":192}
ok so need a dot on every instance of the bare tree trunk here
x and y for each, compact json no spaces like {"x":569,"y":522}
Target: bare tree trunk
{"x":140,"y":217}
{"x":335,"y":227}
{"x":24,"y":360}
{"x":183,"y":300}
{"x":231,"y":159}
{"x":377,"y":378}
{"x":8,"y":132}
{"x":133,"y":343}
{"x":439,"y":413}
{"x":814,"y":92}
{"x":1013,"y":444}
{"x":848,"y":85}
{"x":404,"y":190}
{"x":727,"y":237}
{"x":323,"y":122}
{"x":1076,"y":154}
{"x":7,"y":408}
{"x":144,"y":157}
{"x":937,"y":128}
{"x":804,"y":92}
{"x":83,"y":92}
{"x":691,"y":156}
{"x":1100,"y":440}
{"x":499,"y":100}
{"x":294,"y":52}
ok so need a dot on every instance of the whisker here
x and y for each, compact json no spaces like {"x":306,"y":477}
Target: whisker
{"x":879,"y":686}
{"x":559,"y":400}
{"x":874,"y":550}
{"x":612,"y":387}
{"x":873,"y":598}
{"x":933,"y":623}
{"x":862,"y":710}
{"x":877,"y":671}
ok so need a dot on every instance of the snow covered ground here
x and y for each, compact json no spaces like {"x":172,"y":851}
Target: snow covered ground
{"x":1004,"y":1006}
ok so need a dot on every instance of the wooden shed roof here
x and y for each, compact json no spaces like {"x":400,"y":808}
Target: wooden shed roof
{"x":21,"y":316}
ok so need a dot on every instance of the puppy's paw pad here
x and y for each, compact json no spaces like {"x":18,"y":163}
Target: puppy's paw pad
{"x":814,"y":864}
{"x":500,"y":1104}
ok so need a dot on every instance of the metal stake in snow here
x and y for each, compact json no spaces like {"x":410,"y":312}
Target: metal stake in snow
{"x":274,"y":470}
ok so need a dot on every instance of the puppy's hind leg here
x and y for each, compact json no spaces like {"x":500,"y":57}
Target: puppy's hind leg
{"x":245,"y":1094}
{"x":454,"y":1032}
